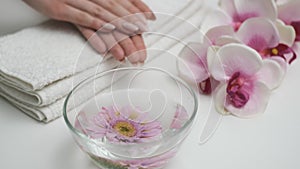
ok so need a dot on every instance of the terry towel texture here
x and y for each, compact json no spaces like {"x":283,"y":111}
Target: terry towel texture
{"x":38,"y":65}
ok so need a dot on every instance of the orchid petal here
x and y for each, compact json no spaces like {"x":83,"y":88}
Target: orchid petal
{"x":283,"y":64}
{"x":219,"y":97}
{"x":289,"y":11}
{"x":215,"y":18}
{"x":211,"y":54}
{"x":255,"y":8}
{"x":271,"y":74}
{"x":229,"y":7}
{"x":296,"y":48}
{"x":280,"y":2}
{"x":193,"y":66}
{"x":256,"y":105}
{"x":215,"y":33}
{"x":224,"y":40}
{"x":286,"y":32}
{"x":234,"y":58}
{"x":259,"y":33}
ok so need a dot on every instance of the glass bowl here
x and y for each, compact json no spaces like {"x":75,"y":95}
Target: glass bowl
{"x":133,"y":118}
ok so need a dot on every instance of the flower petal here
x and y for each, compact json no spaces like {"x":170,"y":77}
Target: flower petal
{"x":193,"y":64}
{"x":229,"y":7}
{"x":287,"y":33}
{"x":180,"y":117}
{"x":256,"y":105}
{"x":215,"y":18}
{"x":215,"y":33}
{"x":219,"y":97}
{"x":289,"y":11}
{"x":234,"y":58}
{"x":224,"y":40}
{"x":271,"y":74}
{"x":211,"y":54}
{"x":259,"y":33}
{"x":283,"y":64}
{"x":255,"y":8}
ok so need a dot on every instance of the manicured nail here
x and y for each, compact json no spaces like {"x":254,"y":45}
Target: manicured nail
{"x":130,"y":27}
{"x":133,"y":59}
{"x":140,"y":64}
{"x":142,"y":27}
{"x":141,"y":17}
{"x":151,"y":15}
{"x":108,"y":26}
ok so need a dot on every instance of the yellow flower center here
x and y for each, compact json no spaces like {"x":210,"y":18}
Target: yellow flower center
{"x":125,"y":128}
{"x":275,"y":51}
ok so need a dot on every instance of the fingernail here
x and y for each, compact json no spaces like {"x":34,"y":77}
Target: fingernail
{"x":108,"y":26}
{"x":133,"y":59}
{"x":142,"y":27}
{"x":142,"y":17}
{"x":150,"y":15}
{"x":122,"y":60}
{"x":153,"y":16}
{"x":130,"y":27}
{"x":140,"y":64}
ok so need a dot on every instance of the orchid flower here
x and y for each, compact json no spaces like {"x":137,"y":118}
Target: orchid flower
{"x":238,"y":11}
{"x":245,"y":79}
{"x":263,"y":36}
{"x":289,"y":13}
{"x":193,"y":66}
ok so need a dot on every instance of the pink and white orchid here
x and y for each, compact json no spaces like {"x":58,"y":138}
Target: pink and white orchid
{"x":193,"y":66}
{"x":235,"y":12}
{"x":263,"y":35}
{"x":245,"y":80}
{"x":289,"y":13}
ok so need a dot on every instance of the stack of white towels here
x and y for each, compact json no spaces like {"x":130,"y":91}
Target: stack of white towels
{"x":38,"y":65}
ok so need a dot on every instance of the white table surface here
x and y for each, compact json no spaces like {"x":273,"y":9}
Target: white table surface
{"x":269,"y":141}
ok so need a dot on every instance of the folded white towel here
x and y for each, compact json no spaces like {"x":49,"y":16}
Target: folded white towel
{"x":38,"y":56}
{"x":52,"y":87}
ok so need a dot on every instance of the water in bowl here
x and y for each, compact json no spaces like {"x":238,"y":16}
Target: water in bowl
{"x":127,"y":128}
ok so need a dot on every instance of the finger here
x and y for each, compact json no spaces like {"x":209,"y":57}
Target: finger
{"x":96,"y":42}
{"x":140,"y":46}
{"x":133,"y":9}
{"x":118,"y":10}
{"x":128,"y":46}
{"x":113,"y":46}
{"x":105,"y":15}
{"x":78,"y":17}
{"x":144,"y":8}
{"x":92,"y":10}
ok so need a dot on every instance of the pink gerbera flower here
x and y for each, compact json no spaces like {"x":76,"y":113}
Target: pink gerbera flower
{"x":124,"y":126}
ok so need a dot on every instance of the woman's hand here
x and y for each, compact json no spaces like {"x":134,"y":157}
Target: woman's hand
{"x":120,"y":45}
{"x":128,"y":16}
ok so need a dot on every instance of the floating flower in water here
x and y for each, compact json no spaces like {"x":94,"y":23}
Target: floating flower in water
{"x":180,"y":118}
{"x":246,"y":80}
{"x":125,"y":126}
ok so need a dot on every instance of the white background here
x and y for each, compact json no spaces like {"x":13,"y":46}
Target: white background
{"x":269,"y":141}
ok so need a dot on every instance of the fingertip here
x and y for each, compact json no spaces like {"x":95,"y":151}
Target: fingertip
{"x":150,"y":16}
{"x":133,"y":58}
{"x":118,"y":53}
{"x":143,"y":56}
{"x":97,"y":44}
